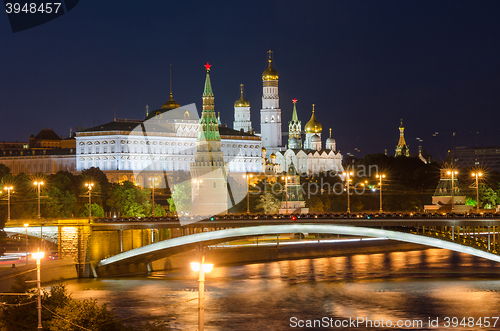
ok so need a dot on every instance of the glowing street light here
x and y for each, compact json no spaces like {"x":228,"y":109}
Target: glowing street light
{"x":286,"y":178}
{"x":38,"y":184}
{"x":348,"y":174}
{"x":38,"y":256}
{"x":8,"y":188}
{"x":452,"y":173}
{"x":201,"y":268}
{"x":153,"y":183}
{"x":89,"y":186}
{"x":477,"y":175}
{"x":248,"y":193}
{"x":26,"y":226}
{"x":382,"y":176}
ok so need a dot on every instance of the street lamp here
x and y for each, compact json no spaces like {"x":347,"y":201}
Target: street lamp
{"x":38,"y":256}
{"x":26,"y":226}
{"x":8,"y":188}
{"x":153,"y":183}
{"x":477,"y":175}
{"x":90,"y":185}
{"x":38,"y":184}
{"x":452,"y":173}
{"x":286,"y":178}
{"x":381,"y":177}
{"x":348,"y":174}
{"x":248,"y":193}
{"x":201,"y":268}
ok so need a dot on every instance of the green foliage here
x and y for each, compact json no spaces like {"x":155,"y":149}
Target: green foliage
{"x":268,"y":203}
{"x":86,"y":313}
{"x":470,"y":202}
{"x":129,"y":200}
{"x":182,"y":197}
{"x":97,"y":210}
{"x":159,"y":210}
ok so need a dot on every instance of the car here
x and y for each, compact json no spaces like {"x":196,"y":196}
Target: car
{"x":53,"y":255}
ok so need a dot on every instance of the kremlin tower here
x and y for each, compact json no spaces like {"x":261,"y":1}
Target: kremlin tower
{"x":242,"y":114}
{"x":270,"y":114}
{"x":294,"y":129}
{"x":208,"y":171}
{"x":402,"y":149}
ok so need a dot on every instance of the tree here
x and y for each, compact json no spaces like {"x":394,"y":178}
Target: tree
{"x":182,"y":197}
{"x":97,"y":210}
{"x":159,"y":210}
{"x":86,"y":313}
{"x":268,"y":203}
{"x":129,"y":200}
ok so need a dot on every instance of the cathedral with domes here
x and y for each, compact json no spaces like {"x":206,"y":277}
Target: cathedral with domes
{"x":308,"y":156}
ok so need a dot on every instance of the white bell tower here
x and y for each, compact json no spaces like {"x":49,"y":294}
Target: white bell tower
{"x":270,"y":114}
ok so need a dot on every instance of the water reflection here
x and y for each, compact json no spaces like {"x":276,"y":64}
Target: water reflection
{"x":264,"y":296}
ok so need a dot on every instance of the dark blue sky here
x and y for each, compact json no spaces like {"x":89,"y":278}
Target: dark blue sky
{"x":365,"y":64}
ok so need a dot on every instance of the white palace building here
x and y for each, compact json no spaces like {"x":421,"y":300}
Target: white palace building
{"x":165,"y":141}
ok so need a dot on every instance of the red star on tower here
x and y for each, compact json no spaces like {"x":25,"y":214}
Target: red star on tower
{"x":294,"y":100}
{"x":207,"y":66}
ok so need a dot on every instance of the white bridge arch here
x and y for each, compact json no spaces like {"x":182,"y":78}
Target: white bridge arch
{"x":160,"y":249}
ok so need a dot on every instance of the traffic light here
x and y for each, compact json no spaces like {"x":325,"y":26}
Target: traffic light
{"x":294,"y":218}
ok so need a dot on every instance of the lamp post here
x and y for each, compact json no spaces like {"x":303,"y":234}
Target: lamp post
{"x":89,"y":186}
{"x":348,"y":174}
{"x":38,"y":184}
{"x":286,"y":178}
{"x":452,"y":173}
{"x":201,"y":268}
{"x":8,"y":188}
{"x":248,"y":192}
{"x":38,"y":256}
{"x":26,"y":227}
{"x":381,"y":177}
{"x":153,"y":183}
{"x":477,"y":175}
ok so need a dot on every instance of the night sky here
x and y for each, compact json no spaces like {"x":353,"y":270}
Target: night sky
{"x":365,"y":64}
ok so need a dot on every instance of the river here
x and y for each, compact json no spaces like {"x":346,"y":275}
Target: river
{"x":397,"y":286}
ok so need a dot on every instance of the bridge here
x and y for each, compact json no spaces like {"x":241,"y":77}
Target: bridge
{"x":99,"y":245}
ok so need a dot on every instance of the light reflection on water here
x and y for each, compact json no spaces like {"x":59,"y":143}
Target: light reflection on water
{"x":399,"y":285}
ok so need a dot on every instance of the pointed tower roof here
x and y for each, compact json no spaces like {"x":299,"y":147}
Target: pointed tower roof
{"x":402,"y":148}
{"x":295,"y":118}
{"x":242,"y":102}
{"x":207,"y":92}
{"x":209,"y":125}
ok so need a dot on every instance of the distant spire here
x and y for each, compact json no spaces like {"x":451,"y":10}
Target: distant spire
{"x":295,"y":118}
{"x":147,"y":110}
{"x":114,"y":117}
{"x":330,"y":132}
{"x":171,"y":80}
{"x":208,"y":86}
{"x":313,"y":108}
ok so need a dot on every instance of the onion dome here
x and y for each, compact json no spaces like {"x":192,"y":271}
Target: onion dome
{"x":313,"y":126}
{"x":263,"y":149}
{"x":270,"y":73}
{"x":292,"y":142}
{"x":315,"y":139}
{"x":242,"y":102}
{"x":330,"y":140}
{"x":273,"y":156}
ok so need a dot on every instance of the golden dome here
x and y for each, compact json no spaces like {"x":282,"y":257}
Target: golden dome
{"x":270,"y":73}
{"x":170,"y":104}
{"x":263,"y":149}
{"x":313,"y":126}
{"x":242,"y":102}
{"x":273,"y":156}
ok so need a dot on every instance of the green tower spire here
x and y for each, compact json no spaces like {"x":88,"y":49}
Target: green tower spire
{"x":295,"y":118}
{"x":209,"y":126}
